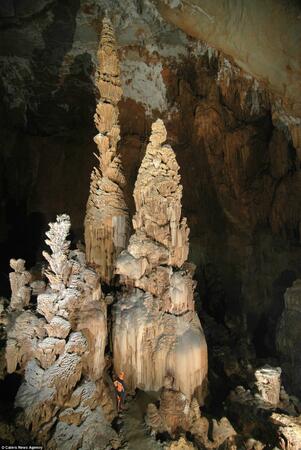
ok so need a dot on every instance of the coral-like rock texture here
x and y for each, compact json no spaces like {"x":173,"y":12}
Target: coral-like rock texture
{"x":19,"y":280}
{"x":23,"y":333}
{"x":289,"y":431}
{"x":156,"y":330}
{"x":63,"y":389}
{"x":106,"y":222}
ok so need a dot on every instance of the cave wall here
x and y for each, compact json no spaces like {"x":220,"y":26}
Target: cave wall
{"x":263,"y":36}
{"x":240,"y":173}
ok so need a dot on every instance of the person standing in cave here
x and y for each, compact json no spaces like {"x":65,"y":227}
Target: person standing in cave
{"x":120,"y":391}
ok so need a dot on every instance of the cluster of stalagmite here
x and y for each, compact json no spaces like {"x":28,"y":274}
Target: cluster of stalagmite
{"x":156,"y":330}
{"x":176,"y":415}
{"x":63,"y":397}
{"x":106,"y":222}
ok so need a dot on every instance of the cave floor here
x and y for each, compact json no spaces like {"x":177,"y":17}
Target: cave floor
{"x":133,"y":431}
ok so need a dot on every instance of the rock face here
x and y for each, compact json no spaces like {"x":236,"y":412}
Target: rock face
{"x":156,"y":331}
{"x":3,"y":336}
{"x":211,"y":22}
{"x":289,"y":431}
{"x":23,"y":333}
{"x":106,"y":222}
{"x":256,"y":411}
{"x":289,"y":335}
{"x":23,"y":328}
{"x":269,"y":383}
{"x":63,"y":390}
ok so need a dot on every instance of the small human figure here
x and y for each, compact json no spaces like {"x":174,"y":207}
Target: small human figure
{"x":120,"y":391}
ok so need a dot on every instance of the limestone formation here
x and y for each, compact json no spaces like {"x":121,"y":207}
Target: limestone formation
{"x":63,"y":390}
{"x":106,"y":222}
{"x":3,"y":335}
{"x":268,"y":384}
{"x":19,"y":282}
{"x":288,"y":335}
{"x":173,"y":414}
{"x":257,"y":409}
{"x":289,"y":431}
{"x":181,"y":444}
{"x":176,"y":415}
{"x":156,"y":330}
{"x":24,"y":330}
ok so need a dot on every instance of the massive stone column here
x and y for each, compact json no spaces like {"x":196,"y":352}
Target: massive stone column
{"x":156,"y":330}
{"x":106,"y":222}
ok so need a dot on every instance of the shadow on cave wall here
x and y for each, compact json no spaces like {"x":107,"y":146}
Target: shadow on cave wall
{"x":265,"y":331}
{"x":57,"y":105}
{"x":47,"y":110}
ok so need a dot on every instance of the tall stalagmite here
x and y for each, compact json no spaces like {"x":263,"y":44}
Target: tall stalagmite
{"x":106,"y":222}
{"x":156,"y":330}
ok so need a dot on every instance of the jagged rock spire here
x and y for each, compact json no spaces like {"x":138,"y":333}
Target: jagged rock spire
{"x":106,"y":222}
{"x":161,"y":238}
{"x":156,"y":330}
{"x":158,"y":195}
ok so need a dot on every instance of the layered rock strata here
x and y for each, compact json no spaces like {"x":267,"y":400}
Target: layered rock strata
{"x":64,"y":400}
{"x":156,"y":330}
{"x":106,"y":222}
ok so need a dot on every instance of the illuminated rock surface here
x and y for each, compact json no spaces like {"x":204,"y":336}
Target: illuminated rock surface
{"x":156,"y":331}
{"x":106,"y":222}
{"x":63,"y":389}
